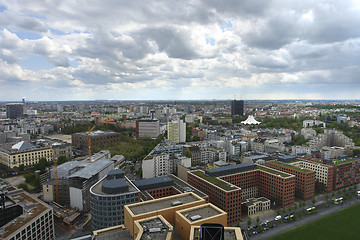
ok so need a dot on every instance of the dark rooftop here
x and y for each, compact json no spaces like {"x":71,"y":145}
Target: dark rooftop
{"x":229,"y":169}
{"x":155,"y":182}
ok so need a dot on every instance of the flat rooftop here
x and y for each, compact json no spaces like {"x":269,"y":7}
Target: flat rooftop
{"x":229,"y":234}
{"x":214,"y":180}
{"x":154,"y":229}
{"x":184,"y":185}
{"x":339,"y":162}
{"x":34,"y":209}
{"x":113,"y":233}
{"x":201,"y":213}
{"x":160,"y":204}
{"x":290,"y":166}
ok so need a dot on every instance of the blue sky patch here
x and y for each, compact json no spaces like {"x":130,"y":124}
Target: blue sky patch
{"x":2,"y":8}
{"x":210,"y":41}
{"x":227,"y":26}
{"x":36,"y":63}
{"x":28,"y":35}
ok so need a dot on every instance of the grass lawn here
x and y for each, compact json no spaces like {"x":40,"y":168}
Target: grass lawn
{"x":340,"y":225}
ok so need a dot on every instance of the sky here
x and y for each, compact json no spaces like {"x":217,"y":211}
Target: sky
{"x":179,"y":50}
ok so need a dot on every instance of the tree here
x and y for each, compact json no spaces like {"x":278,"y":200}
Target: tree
{"x":333,"y":194}
{"x":260,"y":228}
{"x":326,"y":205}
{"x":295,"y":217}
{"x":333,"y":202}
{"x":283,"y":210}
{"x":41,"y":165}
{"x":24,"y":186}
{"x":313,"y":201}
{"x":295,"y":206}
{"x":187,"y":153}
{"x":62,"y":159}
{"x":268,"y":225}
{"x":249,"y":222}
{"x":21,"y":167}
{"x":327,"y":197}
{"x":300,"y":214}
{"x":278,"y":212}
{"x":258,"y":220}
{"x":338,"y":192}
{"x":132,"y":168}
{"x":289,"y":209}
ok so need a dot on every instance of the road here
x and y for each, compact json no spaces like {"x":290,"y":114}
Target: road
{"x":322,"y":212}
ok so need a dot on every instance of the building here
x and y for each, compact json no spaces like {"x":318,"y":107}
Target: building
{"x":253,"y":205}
{"x":157,"y":165}
{"x":80,"y":141}
{"x":323,"y":173}
{"x":14,"y":110}
{"x":24,"y":154}
{"x":108,"y":198}
{"x":81,"y":181}
{"x":164,"y":186}
{"x":147,"y":128}
{"x":228,"y":186}
{"x":165,"y":207}
{"x":346,"y":172}
{"x":237,"y":108}
{"x":304,"y":179}
{"x":176,"y":131}
{"x":24,"y":217}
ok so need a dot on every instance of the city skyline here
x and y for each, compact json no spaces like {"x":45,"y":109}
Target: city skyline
{"x":179,"y":50}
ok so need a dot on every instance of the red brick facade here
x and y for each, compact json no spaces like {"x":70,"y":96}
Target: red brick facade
{"x":163,"y":192}
{"x":304,"y":181}
{"x":346,"y":174}
{"x":229,"y":201}
{"x":269,"y":185}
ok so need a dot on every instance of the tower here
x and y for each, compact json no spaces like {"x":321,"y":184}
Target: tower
{"x":237,"y":108}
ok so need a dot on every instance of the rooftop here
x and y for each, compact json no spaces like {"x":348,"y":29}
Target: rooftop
{"x":32,"y":209}
{"x":290,"y":166}
{"x":154,"y":229}
{"x":214,"y":180}
{"x":204,"y":212}
{"x":339,"y":162}
{"x":163,"y":203}
{"x":97,"y":188}
{"x":273,"y":171}
{"x":185,"y":186}
{"x":113,"y":233}
{"x":229,"y":233}
{"x":92,"y":169}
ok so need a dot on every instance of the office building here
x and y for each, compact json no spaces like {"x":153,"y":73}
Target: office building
{"x":176,"y":131}
{"x":237,"y":108}
{"x":346,"y":172}
{"x":108,"y":198}
{"x":14,"y":110}
{"x":228,"y":186}
{"x":24,"y":217}
{"x":147,"y":128}
{"x":304,"y":178}
{"x":80,"y":141}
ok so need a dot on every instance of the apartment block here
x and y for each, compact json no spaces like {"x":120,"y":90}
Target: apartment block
{"x":157,"y":165}
{"x":346,"y":172}
{"x":176,"y":131}
{"x":304,"y":178}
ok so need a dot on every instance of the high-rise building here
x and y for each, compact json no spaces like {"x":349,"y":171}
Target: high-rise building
{"x":14,"y":110}
{"x":177,"y":131}
{"x":147,"y":128}
{"x":237,"y":108}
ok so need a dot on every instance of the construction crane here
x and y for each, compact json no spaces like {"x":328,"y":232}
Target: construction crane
{"x":89,"y":141}
{"x":55,"y":175}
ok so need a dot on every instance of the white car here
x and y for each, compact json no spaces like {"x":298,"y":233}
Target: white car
{"x":278,"y":217}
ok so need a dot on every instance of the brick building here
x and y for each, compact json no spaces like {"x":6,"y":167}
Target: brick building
{"x":80,"y":141}
{"x":228,"y":186}
{"x":304,"y":179}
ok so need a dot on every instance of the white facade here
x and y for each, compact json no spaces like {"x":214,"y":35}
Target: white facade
{"x":157,"y":165}
{"x":76,"y":198}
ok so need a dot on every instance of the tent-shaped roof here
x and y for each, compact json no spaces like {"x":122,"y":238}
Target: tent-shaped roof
{"x":250,"y":120}
{"x":22,"y":146}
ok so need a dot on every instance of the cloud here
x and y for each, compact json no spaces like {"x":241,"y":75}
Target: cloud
{"x":161,"y":48}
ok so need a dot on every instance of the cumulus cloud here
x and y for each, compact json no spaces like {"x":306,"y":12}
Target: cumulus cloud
{"x":168,"y":48}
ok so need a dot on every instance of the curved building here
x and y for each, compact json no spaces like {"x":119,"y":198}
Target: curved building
{"x":108,"y":198}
